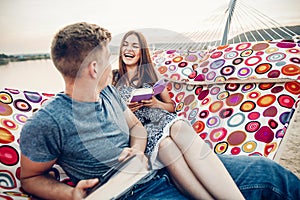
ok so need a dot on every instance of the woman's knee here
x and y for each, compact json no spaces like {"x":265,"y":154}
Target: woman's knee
{"x":168,"y":151}
{"x":180,"y":126}
{"x":166,"y":142}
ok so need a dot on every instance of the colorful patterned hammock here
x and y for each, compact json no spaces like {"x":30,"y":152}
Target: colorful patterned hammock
{"x":240,"y":99}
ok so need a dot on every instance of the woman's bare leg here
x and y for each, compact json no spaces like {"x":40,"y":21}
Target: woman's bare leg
{"x":181,"y":174}
{"x":206,"y":166}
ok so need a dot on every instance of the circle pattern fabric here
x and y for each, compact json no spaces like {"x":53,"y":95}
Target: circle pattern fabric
{"x":15,"y":108}
{"x":247,"y":117}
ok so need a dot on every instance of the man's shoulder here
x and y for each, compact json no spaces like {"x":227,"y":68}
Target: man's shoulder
{"x":51,"y":107}
{"x":111,"y":95}
{"x":50,"y":115}
{"x":110,"y":91}
{"x":55,"y":102}
{"x":109,"y":88}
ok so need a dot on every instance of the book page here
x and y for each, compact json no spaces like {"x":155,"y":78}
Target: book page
{"x":122,"y":181}
{"x":140,"y":94}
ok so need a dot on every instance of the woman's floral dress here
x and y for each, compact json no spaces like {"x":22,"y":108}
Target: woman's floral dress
{"x":153,"y":119}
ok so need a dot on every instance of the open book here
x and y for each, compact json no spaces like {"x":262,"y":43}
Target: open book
{"x":140,"y":94}
{"x":119,"y":180}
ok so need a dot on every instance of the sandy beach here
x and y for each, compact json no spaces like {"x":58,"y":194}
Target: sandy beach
{"x":290,"y":157}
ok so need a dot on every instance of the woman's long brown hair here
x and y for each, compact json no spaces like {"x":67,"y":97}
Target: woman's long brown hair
{"x":145,"y":71}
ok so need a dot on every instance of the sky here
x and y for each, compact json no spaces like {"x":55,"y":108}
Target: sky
{"x":27,"y":26}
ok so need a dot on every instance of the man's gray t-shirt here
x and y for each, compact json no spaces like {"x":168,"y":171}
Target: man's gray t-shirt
{"x":86,"y":138}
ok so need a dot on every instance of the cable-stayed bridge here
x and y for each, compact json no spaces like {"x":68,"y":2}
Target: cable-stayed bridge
{"x":239,"y":22}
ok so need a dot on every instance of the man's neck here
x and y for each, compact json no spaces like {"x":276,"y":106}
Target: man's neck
{"x":82,"y":92}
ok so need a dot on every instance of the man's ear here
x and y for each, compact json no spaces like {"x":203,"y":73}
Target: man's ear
{"x":93,"y":71}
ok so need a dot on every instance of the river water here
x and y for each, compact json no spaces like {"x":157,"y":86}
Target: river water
{"x":34,"y":75}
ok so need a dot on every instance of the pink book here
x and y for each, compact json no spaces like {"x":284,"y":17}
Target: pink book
{"x":140,"y":94}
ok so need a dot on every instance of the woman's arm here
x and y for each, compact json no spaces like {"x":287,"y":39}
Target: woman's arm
{"x":36,"y":180}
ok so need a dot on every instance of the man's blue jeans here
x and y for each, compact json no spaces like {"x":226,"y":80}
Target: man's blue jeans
{"x":158,"y":188}
{"x":256,"y":177}
{"x":262,"y":178}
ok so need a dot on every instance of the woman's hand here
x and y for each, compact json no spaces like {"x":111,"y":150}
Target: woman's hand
{"x":153,"y":102}
{"x":79,"y":192}
{"x":134,"y":106}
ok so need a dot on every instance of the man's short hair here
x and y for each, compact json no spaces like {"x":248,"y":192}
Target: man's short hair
{"x":73,"y":43}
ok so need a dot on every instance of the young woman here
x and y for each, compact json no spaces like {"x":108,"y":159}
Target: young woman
{"x":172,"y":142}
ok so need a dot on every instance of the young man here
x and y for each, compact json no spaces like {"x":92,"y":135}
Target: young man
{"x":82,"y":131}
{"x":87,"y":133}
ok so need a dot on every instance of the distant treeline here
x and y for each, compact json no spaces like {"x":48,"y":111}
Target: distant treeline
{"x":5,"y":59}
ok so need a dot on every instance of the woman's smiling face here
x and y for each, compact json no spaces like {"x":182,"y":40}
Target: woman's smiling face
{"x":131,"y":50}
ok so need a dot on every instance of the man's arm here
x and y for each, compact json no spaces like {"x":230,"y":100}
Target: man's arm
{"x":138,"y":133}
{"x":36,"y":180}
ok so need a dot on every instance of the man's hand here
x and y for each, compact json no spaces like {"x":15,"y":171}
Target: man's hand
{"x":79,"y":191}
{"x":128,"y":152}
